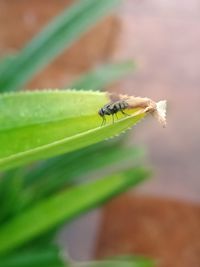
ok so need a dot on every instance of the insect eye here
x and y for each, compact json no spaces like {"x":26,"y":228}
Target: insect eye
{"x":100,"y":112}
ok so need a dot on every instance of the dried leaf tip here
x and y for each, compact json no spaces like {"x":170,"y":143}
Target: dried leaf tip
{"x":160,"y":112}
{"x":157,"y":110}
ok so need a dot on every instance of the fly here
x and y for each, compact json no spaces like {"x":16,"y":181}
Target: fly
{"x":146,"y":105}
{"x":113,"y":108}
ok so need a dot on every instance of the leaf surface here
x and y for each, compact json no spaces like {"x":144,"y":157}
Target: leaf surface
{"x":39,"y":125}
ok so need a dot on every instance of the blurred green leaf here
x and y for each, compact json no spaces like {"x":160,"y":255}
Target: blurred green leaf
{"x":47,"y":177}
{"x":39,"y":125}
{"x":48,"y":257}
{"x":52,"y":40}
{"x":6,"y":61}
{"x":65,"y":207}
{"x":42,"y":179}
{"x":11,"y":193}
{"x":102,"y":76}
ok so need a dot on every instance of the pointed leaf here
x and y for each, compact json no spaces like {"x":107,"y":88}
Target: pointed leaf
{"x":38,"y":125}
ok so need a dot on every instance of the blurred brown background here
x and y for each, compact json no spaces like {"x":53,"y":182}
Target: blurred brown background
{"x":163,"y":37}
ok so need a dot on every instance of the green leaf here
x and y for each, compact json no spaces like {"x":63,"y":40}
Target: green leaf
{"x":48,"y":257}
{"x":102,"y":76}
{"x":38,"y":125}
{"x":45,"y":178}
{"x":55,"y":174}
{"x":65,"y":207}
{"x":6,"y":61}
{"x":41,"y":180}
{"x":52,"y":40}
{"x":11,"y":193}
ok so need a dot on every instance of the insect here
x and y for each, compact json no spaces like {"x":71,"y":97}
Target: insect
{"x":145,"y":105}
{"x":112,"y":108}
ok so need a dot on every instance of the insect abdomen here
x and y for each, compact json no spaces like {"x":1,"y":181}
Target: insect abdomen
{"x":121,"y":105}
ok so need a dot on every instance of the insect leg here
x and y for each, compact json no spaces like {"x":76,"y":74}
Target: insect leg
{"x":124,"y":113}
{"x":104,"y":121}
{"x":112,"y":118}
